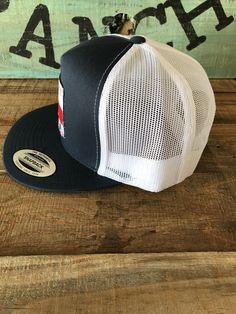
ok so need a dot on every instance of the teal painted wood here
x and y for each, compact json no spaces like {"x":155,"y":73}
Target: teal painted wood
{"x":217,"y":53}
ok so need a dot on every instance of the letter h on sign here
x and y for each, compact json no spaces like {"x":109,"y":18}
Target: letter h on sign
{"x":186,"y":18}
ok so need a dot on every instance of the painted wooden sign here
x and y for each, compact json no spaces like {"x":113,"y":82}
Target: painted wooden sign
{"x":34,"y":34}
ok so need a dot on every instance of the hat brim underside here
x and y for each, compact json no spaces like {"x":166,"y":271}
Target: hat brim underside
{"x":37,"y":130}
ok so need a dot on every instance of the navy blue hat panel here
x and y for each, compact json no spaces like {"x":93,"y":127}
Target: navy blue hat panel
{"x":84,"y":70}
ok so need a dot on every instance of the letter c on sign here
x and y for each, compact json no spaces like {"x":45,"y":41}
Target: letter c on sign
{"x":4,"y":4}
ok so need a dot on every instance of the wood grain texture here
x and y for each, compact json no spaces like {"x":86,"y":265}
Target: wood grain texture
{"x":196,"y":215}
{"x":38,"y":86}
{"x":135,"y":283}
{"x":219,"y":47}
{"x":224,"y":86}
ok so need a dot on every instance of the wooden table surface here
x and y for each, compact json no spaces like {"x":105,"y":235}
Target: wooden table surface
{"x":179,"y":244}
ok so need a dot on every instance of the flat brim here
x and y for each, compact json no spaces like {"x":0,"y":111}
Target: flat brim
{"x":38,"y":130}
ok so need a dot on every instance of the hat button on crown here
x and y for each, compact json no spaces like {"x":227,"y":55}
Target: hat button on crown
{"x":137,"y":39}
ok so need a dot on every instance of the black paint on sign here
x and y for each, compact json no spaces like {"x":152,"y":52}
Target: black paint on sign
{"x":40,"y":14}
{"x":86,"y":29}
{"x":185,"y":18}
{"x":4,"y":4}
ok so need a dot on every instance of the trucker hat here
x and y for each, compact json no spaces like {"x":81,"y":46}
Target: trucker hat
{"x":130,"y":110}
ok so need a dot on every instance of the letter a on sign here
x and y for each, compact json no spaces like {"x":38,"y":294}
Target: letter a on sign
{"x":40,"y":13}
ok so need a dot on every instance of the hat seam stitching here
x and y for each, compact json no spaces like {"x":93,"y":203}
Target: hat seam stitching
{"x":95,"y":102}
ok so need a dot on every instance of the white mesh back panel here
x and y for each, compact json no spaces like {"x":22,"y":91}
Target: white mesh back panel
{"x":147,"y":120}
{"x":202,"y":94}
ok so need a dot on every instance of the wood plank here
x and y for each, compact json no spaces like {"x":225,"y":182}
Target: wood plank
{"x":28,"y":86}
{"x":225,"y":99}
{"x":135,"y":283}
{"x":195,"y":215}
{"x":16,"y":86}
{"x":224,"y":86}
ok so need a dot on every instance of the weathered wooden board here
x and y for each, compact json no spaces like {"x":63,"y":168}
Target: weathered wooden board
{"x":207,"y":27}
{"x":196,"y":215}
{"x":179,"y":283}
{"x":223,"y":86}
